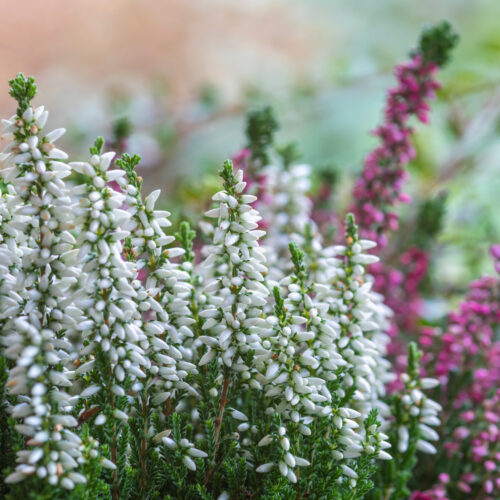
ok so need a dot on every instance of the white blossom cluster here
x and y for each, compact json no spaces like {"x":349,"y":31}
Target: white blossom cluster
{"x":38,"y":276}
{"x":290,"y":210}
{"x":100,"y":310}
{"x":362,"y":320}
{"x":234,"y":286}
{"x":112,"y":335}
{"x":418,"y":409}
{"x":165,"y":290}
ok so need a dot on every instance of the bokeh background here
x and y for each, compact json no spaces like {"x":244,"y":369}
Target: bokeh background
{"x":185,"y":72}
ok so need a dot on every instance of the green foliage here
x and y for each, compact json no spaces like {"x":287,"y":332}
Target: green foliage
{"x":430,"y":219}
{"x":23,"y":90}
{"x":289,"y":153}
{"x":9,"y":437}
{"x":97,"y":147}
{"x":129,"y":163}
{"x":122,"y":128}
{"x":393,"y":476}
{"x":437,"y":42}
{"x":228,"y":177}
{"x":260,"y":130}
{"x":298,"y":260}
{"x":185,"y":237}
{"x":351,"y":229}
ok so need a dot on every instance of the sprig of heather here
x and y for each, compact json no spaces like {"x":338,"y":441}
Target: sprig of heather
{"x":473,"y":444}
{"x":468,"y":345}
{"x":362,"y":320}
{"x":39,"y":318}
{"x":380,"y":185}
{"x":288,"y":215}
{"x":300,"y":369}
{"x":11,"y":240}
{"x":112,"y":358}
{"x":410,"y":428}
{"x":164,"y":297}
{"x":235,"y":290}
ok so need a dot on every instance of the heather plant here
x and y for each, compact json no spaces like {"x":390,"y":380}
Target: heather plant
{"x":259,"y":362}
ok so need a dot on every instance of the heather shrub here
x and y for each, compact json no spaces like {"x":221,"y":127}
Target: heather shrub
{"x":266,"y":355}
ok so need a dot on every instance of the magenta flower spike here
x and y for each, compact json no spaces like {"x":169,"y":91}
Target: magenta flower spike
{"x":380,"y":185}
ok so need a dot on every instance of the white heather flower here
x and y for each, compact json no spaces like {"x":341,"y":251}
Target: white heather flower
{"x":234,"y":269}
{"x":12,"y":239}
{"x":287,"y":212}
{"x":288,"y":461}
{"x":362,"y":321}
{"x":37,"y":276}
{"x":163,"y":290}
{"x":414,"y":407}
{"x":113,"y":329}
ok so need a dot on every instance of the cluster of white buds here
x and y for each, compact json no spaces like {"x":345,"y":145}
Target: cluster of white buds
{"x":287,"y":461}
{"x":290,"y":211}
{"x":165,"y":288}
{"x":416,"y":414}
{"x":304,"y":367}
{"x":303,"y":356}
{"x":38,"y":280}
{"x":235,"y":283}
{"x":184,"y":447}
{"x":287,"y":216}
{"x":10,"y":252}
{"x":112,"y":336}
{"x":362,"y":320}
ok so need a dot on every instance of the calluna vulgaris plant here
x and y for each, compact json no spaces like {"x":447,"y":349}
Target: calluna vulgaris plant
{"x":262,"y":366}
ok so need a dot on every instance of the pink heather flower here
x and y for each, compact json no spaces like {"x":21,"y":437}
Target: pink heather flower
{"x":444,"y":478}
{"x":437,"y":492}
{"x":481,"y":458}
{"x":241,"y":157}
{"x":418,"y":495}
{"x":488,"y":486}
{"x":467,"y":416}
{"x":464,"y":487}
{"x":489,"y":465}
{"x":379,"y":187}
{"x":461,"y":433}
{"x":469,"y":343}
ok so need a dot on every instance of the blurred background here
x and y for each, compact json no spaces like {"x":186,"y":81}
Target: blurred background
{"x":182,"y":75}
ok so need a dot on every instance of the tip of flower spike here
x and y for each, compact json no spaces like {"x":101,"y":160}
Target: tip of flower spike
{"x":185,"y":237}
{"x":128,"y":164}
{"x":297,"y":256}
{"x":351,"y":229}
{"x":436,"y":43}
{"x":261,"y":126}
{"x":122,"y":128}
{"x":414,"y":356}
{"x":279,"y":306}
{"x":289,"y":153}
{"x":23,"y":89}
{"x":227,"y":175}
{"x":97,"y":147}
